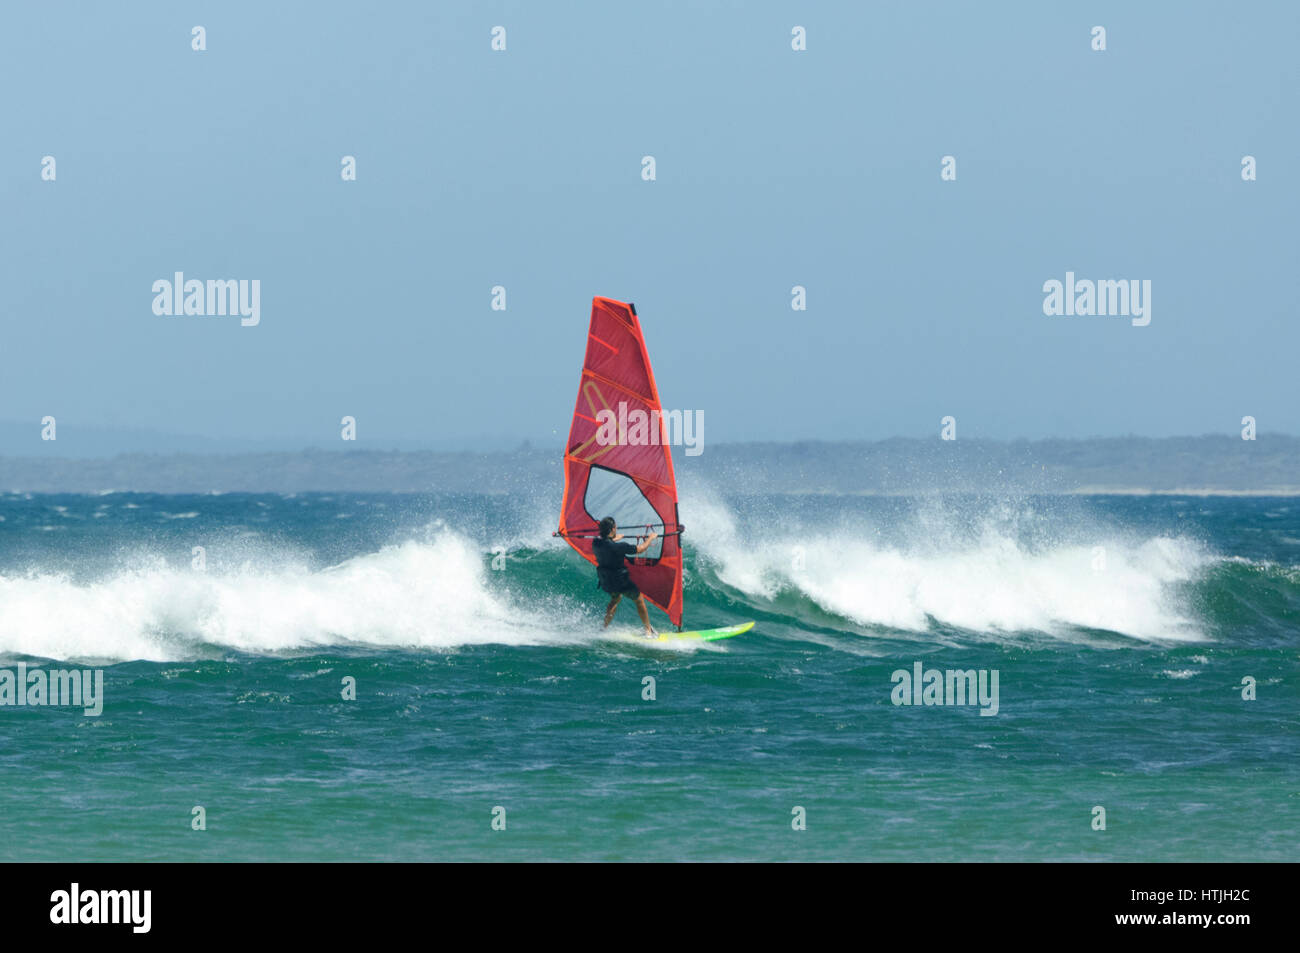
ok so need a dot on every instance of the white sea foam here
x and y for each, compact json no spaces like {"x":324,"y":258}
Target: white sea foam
{"x":992,"y":573}
{"x":426,"y":594}
{"x":983,"y":576}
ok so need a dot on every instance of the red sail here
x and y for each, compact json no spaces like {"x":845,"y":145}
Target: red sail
{"x":630,"y":477}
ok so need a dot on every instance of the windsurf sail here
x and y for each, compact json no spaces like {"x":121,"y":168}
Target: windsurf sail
{"x":618,"y":463}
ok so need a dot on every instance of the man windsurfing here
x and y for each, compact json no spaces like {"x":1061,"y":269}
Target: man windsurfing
{"x":611,"y":570}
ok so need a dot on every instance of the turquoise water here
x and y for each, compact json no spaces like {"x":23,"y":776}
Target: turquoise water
{"x":1120,"y":627}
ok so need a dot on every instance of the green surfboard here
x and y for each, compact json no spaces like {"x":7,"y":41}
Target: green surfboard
{"x":702,"y":635}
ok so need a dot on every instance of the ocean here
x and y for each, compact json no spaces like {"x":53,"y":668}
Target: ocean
{"x":494,"y":720}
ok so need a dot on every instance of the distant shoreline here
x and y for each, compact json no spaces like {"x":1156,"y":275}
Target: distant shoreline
{"x":1184,"y":491}
{"x":1114,"y":466}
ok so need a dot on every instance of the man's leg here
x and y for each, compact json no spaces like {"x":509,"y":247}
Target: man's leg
{"x":613,"y":604}
{"x":644,"y":614}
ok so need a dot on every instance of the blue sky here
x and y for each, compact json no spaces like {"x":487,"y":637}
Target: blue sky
{"x":522,"y":168}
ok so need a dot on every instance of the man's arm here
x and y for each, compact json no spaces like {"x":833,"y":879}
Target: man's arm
{"x":645,"y":543}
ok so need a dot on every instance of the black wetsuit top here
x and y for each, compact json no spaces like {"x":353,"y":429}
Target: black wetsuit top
{"x":611,"y":571}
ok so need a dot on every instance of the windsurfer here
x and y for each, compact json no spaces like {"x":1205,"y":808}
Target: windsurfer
{"x":611,"y":570}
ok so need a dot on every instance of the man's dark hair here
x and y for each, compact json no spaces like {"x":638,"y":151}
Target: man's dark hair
{"x":607,"y":527}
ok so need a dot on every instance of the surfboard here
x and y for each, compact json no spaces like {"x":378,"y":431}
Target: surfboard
{"x":703,"y":635}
